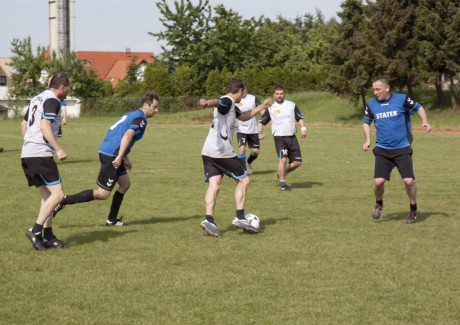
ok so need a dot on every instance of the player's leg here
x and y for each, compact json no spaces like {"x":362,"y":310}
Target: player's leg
{"x":384,"y":164}
{"x":253,"y":143}
{"x":213,"y":176}
{"x":295,"y":156}
{"x":406,"y":170}
{"x":282,"y":152}
{"x":242,"y":148}
{"x":123,"y":185}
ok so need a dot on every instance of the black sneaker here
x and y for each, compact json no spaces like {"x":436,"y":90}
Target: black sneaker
{"x":411,"y":217}
{"x":54,"y":243}
{"x":58,"y":208}
{"x":116,"y":222}
{"x":377,"y":211}
{"x":37,"y":242}
{"x":284,"y":187}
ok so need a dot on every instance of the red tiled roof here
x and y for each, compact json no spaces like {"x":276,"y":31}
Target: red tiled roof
{"x":108,"y":65}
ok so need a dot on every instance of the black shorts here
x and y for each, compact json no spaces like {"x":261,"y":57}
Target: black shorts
{"x":108,"y":175}
{"x":41,"y":171}
{"x":231,"y":167}
{"x":386,"y":160}
{"x":251,"y":140}
{"x":288,"y":147}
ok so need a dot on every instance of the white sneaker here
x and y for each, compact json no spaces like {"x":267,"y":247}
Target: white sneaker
{"x":249,"y":169}
{"x":245,"y":225}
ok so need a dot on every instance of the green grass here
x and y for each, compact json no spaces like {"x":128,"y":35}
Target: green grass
{"x":319,"y":258}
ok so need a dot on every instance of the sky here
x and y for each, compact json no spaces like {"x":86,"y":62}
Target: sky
{"x":113,"y":25}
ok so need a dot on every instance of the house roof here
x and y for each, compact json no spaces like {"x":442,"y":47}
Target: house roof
{"x":112,"y":65}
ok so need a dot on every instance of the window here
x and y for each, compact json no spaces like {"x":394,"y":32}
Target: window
{"x":2,"y":80}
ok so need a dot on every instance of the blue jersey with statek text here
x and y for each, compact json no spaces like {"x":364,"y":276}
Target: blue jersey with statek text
{"x":135,"y":120}
{"x":392,"y":120}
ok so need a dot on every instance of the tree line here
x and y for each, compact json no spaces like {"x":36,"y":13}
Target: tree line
{"x":412,"y":42}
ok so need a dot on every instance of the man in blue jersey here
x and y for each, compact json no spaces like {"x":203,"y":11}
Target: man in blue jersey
{"x":284,"y":114}
{"x":390,"y":113}
{"x":40,"y":130}
{"x":113,"y":155}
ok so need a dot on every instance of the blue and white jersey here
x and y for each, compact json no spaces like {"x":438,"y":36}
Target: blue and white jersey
{"x":135,"y":120}
{"x":44,"y":106}
{"x":392,"y":120}
{"x":247,"y":103}
{"x":283,"y":116}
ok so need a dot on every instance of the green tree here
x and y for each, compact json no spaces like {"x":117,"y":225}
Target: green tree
{"x":184,"y":30}
{"x":132,"y":70}
{"x":352,"y":60}
{"x":27,"y":69}
{"x":157,"y":79}
{"x":185,"y":80}
{"x":437,"y":29}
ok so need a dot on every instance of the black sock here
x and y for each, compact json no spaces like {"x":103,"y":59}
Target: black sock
{"x":413,"y":207}
{"x":251,"y":158}
{"x":37,"y":230}
{"x":379,"y":202}
{"x":210,"y":219}
{"x":116,"y":204}
{"x":83,"y":196}
{"x":48,"y":233}
{"x":240,"y":214}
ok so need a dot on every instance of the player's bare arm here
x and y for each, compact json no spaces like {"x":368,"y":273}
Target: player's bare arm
{"x":206,"y":103}
{"x":367,"y":136}
{"x":256,"y":110}
{"x":422,"y":113}
{"x":47,"y":131}
{"x":125,"y":141}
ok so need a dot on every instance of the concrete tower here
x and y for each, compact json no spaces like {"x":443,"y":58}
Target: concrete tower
{"x":61,"y":26}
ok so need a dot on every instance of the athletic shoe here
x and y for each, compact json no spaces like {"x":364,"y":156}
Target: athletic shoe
{"x":210,"y":228}
{"x":284,"y":187}
{"x":53,"y":243}
{"x":249,"y":169}
{"x":245,"y":225}
{"x":411,"y":217}
{"x":116,"y":222}
{"x":377,"y":211}
{"x":58,"y":208}
{"x":37,"y":242}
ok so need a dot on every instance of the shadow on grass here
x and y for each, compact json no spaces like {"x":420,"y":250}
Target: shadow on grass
{"x":263,"y":224}
{"x":95,"y":236}
{"x":263,"y":172}
{"x":154,"y":220}
{"x":305,"y":184}
{"x":77,"y":161}
{"x":421,"y":216}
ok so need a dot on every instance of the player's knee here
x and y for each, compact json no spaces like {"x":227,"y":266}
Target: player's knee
{"x":101,"y":194}
{"x":409,"y":182}
{"x":378,"y":182}
{"x":59,"y":196}
{"x":297,"y":164}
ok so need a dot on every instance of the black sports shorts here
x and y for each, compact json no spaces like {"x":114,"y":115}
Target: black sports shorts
{"x":41,"y":171}
{"x":108,"y":175}
{"x":251,"y":140}
{"x":231,"y":167}
{"x":386,"y":160}
{"x":288,"y":147}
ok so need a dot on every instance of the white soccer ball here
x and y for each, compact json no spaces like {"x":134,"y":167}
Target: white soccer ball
{"x":253,"y":220}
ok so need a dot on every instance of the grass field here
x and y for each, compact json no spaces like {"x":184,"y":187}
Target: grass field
{"x":319,"y":258}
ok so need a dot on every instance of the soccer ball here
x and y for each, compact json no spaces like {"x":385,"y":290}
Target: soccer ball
{"x":253,"y":220}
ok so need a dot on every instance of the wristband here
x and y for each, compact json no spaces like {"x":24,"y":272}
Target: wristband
{"x":260,"y":132}
{"x":303,"y":128}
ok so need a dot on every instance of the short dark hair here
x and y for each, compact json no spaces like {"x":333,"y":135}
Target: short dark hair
{"x":149,"y":98}
{"x":59,"y":79}
{"x":382,"y":79}
{"x":234,"y":85}
{"x":279,"y":88}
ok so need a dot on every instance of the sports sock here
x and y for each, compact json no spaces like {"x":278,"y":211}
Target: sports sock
{"x":379,"y":202}
{"x":116,"y":204}
{"x":37,"y":230}
{"x":48,"y":233}
{"x":242,"y":159}
{"x":413,"y":207}
{"x":240,"y":214}
{"x":210,"y":219}
{"x":251,"y":158}
{"x":83,"y":196}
